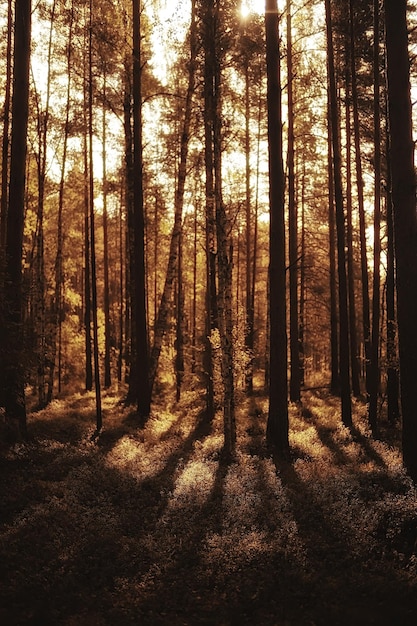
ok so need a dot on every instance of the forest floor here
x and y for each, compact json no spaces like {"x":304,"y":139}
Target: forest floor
{"x":150,"y":526}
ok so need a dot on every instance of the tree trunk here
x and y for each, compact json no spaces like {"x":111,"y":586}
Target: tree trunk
{"x":166,"y":298}
{"x":5,"y":138}
{"x":354,"y":364}
{"x":295,"y":393}
{"x":94,"y":304}
{"x":13,"y":374}
{"x":393,"y":390}
{"x":405,"y":218}
{"x":334,"y":317}
{"x":340,"y":229}
{"x":277,"y":426}
{"x":56,"y":339}
{"x":361,"y":208}
{"x":144,"y":387}
{"x":107,"y":327}
{"x":376,"y":291}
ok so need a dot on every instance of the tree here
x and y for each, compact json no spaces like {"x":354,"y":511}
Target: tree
{"x":12,"y":340}
{"x":293,"y":226}
{"x":142,"y":353}
{"x":165,"y":306}
{"x":277,"y":426}
{"x":403,"y":189}
{"x":376,"y":297}
{"x":340,"y":228}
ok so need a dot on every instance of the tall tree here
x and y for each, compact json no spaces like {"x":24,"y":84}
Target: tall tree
{"x":166,"y":298}
{"x":224,"y":251}
{"x":403,"y":182}
{"x":142,"y":353}
{"x":360,"y":193}
{"x":5,"y":137}
{"x":277,"y":426}
{"x":376,"y":291}
{"x":92,"y":233}
{"x":293,"y":225}
{"x":13,"y":379}
{"x":340,"y":227}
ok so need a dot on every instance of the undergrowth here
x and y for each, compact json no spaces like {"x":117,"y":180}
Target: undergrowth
{"x":150,"y":526}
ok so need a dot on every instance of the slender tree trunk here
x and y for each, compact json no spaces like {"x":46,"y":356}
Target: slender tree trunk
{"x":354,"y":364}
{"x":277,"y":426}
{"x":405,"y":218}
{"x":13,"y":374}
{"x":87,"y":256}
{"x":5,"y":137}
{"x":340,"y":228}
{"x":250,"y":313}
{"x":107,"y":327}
{"x":142,"y":352}
{"x":179,"y":342}
{"x":39,"y":287}
{"x":166,"y":298}
{"x":361,"y":205}
{"x":94,"y":303}
{"x":211,"y":292}
{"x":295,"y":393}
{"x":334,"y":317}
{"x":393,"y":390}
{"x":121,"y":293}
{"x":194,"y":298}
{"x":301,"y":330}
{"x":376,"y":291}
{"x":56,"y":340}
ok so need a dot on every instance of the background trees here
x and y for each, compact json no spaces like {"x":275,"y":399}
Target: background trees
{"x":165,"y":154}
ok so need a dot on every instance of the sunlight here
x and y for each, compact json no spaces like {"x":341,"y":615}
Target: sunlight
{"x":244,"y":10}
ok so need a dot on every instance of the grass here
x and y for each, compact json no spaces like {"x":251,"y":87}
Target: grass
{"x":149,"y":526}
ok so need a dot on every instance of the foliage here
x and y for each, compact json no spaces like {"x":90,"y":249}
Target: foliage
{"x":150,"y":526}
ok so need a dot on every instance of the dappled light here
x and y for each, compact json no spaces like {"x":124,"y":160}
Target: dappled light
{"x":161,"y":530}
{"x":208,"y":313}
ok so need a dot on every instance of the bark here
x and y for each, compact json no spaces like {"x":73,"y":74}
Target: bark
{"x":94,"y":303}
{"x":277,"y":425}
{"x":142,"y":352}
{"x":392,"y":352}
{"x":334,"y":317}
{"x":87,"y":256}
{"x":13,"y":374}
{"x":354,"y":364}
{"x":106,"y":303}
{"x":376,"y":291}
{"x":403,"y":181}
{"x":295,"y":393}
{"x":366,"y":325}
{"x":5,"y":137}
{"x":211,"y":320}
{"x":340,"y":229}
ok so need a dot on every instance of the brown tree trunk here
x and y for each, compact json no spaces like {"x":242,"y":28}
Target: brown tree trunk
{"x":94,"y":304}
{"x":142,"y":353}
{"x":166,"y":298}
{"x":107,"y":327}
{"x":405,"y":218}
{"x":376,"y":291}
{"x":277,"y":425}
{"x":366,"y":325}
{"x":340,"y":228}
{"x":295,"y":393}
{"x":13,"y":374}
{"x":5,"y":137}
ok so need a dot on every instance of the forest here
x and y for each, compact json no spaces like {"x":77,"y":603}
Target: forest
{"x":208,"y":307}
